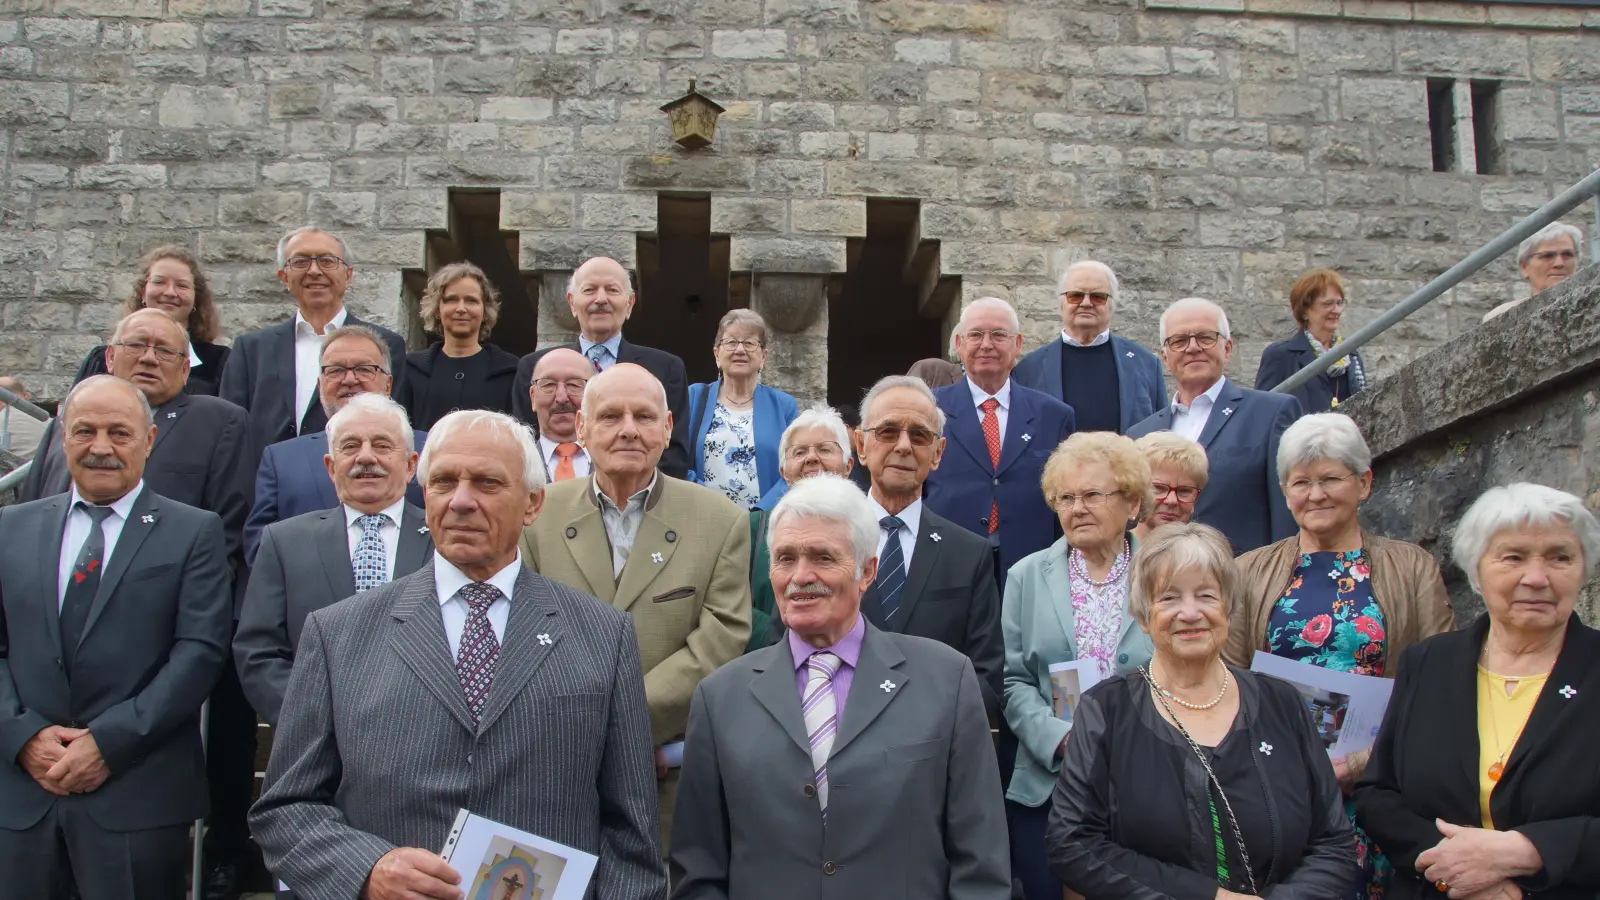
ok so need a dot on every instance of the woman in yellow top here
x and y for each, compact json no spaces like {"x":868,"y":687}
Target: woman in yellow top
{"x":1483,"y":782}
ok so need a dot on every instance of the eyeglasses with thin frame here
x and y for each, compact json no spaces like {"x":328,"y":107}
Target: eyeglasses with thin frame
{"x":363,"y":372}
{"x":1184,"y":494}
{"x":1331,"y":303}
{"x":1091,"y":499}
{"x":827,"y":451}
{"x":1301,"y":487}
{"x":890,"y":434}
{"x":1094,"y":298}
{"x":138,"y":348}
{"x":1206,"y":340}
{"x":162,"y":282}
{"x":1545,"y":256}
{"x":748,"y":345}
{"x":999,"y":336}
{"x":546,"y":387}
{"x":302,"y":263}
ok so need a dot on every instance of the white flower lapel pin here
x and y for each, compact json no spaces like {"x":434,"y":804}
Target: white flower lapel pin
{"x":1130,"y":354}
{"x":544,"y":640}
{"x":656,"y":558}
{"x":1227,"y":410}
{"x":1026,"y":438}
{"x":934,"y":536}
{"x":422,"y":530}
{"x":887,"y":686}
{"x":1568,"y":691}
{"x":172,"y":415}
{"x":1265,"y":748}
{"x":148,"y":520}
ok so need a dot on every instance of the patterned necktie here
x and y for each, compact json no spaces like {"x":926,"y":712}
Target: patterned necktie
{"x":564,"y":454}
{"x":821,"y":712}
{"x":83,"y":583}
{"x":480,"y":650}
{"x":991,"y":436}
{"x":597,"y":353}
{"x":891,"y":578}
{"x":371,"y":559}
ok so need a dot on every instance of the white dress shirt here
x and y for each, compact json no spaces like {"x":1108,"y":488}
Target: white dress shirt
{"x":1190,"y":420}
{"x":447,"y":584}
{"x":308,"y":362}
{"x":1002,"y":412}
{"x":911,"y":516}
{"x":77,"y":531}
{"x":1099,"y":339}
{"x":580,"y":460}
{"x":388,"y":532}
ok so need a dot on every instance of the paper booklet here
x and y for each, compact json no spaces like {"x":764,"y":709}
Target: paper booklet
{"x":1346,"y":708}
{"x":1068,"y":681}
{"x":498,"y":862}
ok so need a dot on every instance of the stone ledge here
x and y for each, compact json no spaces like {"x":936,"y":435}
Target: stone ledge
{"x":1551,"y":338}
{"x":1432,"y":12}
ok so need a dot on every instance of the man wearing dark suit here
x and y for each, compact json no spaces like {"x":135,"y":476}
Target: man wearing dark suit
{"x":292,"y":478}
{"x":935,"y":579}
{"x":116,"y":612}
{"x":1000,"y":434}
{"x":845,"y":762}
{"x":471,"y":683}
{"x":272,"y":372}
{"x":319,"y":558}
{"x":601,"y":297}
{"x":1238,"y":428}
{"x":1110,"y":382}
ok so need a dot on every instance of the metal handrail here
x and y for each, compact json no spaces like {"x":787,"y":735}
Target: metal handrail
{"x":15,"y":477}
{"x":1567,"y":201}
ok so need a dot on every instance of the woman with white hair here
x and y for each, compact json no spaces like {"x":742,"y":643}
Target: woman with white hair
{"x":1483,"y":783}
{"x":1333,"y":594}
{"x":1547,"y":258}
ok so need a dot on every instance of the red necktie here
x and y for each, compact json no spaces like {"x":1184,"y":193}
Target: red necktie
{"x":564,"y":454}
{"x":991,"y":436}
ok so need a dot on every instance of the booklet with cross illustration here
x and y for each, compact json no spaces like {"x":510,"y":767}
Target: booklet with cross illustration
{"x":498,"y":862}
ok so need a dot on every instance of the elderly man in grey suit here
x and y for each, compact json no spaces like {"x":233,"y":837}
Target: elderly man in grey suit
{"x":472,"y":683}
{"x":319,"y":558}
{"x":845,"y":762}
{"x":116,"y":612}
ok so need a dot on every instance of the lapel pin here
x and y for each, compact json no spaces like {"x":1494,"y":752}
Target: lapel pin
{"x":655,"y":557}
{"x":148,"y":520}
{"x":934,"y":536}
{"x":1265,"y":748}
{"x":544,"y":640}
{"x":422,"y":530}
{"x":1026,"y":438}
{"x":172,"y":415}
{"x":1130,"y":354}
{"x":888,"y":686}
{"x":1568,"y":691}
{"x":1227,"y":411}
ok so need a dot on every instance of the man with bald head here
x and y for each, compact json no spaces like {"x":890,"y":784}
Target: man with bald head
{"x":116,"y":606}
{"x":559,"y":379}
{"x":675,"y":555}
{"x":600,"y":295}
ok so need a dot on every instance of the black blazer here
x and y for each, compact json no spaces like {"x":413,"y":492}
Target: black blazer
{"x":1284,"y":358}
{"x":203,"y":378}
{"x":493,"y":393}
{"x":1424,"y":765}
{"x":663,"y":365}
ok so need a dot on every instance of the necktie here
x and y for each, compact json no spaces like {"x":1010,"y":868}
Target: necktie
{"x":480,"y":650}
{"x":821,"y":711}
{"x":371,"y":559}
{"x":83,"y":583}
{"x":564,"y":454}
{"x":991,"y":436}
{"x":891,"y":578}
{"x":597,"y":353}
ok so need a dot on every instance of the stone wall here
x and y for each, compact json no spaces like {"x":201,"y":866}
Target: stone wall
{"x":1518,"y":401}
{"x":1216,"y":148}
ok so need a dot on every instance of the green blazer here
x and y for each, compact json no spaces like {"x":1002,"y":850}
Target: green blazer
{"x":1036,"y":621}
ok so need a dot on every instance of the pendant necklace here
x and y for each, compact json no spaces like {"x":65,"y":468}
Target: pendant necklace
{"x":1498,"y":767}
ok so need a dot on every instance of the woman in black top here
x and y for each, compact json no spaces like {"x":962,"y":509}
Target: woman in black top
{"x":1317,"y":302}
{"x":170,"y":280}
{"x":1191,"y":779}
{"x":459,"y":372}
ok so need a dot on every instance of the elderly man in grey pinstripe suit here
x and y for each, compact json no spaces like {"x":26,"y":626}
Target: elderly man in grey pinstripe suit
{"x":472,"y":683}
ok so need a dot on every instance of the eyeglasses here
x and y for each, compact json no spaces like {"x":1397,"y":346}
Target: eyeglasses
{"x":1301,"y":487}
{"x":302,"y":263}
{"x":138,"y":348}
{"x":1077,"y":298}
{"x":827,"y":451}
{"x":1184,"y":494}
{"x":998,"y":335}
{"x":890,"y":434}
{"x":162,"y":282}
{"x":364,"y":372}
{"x":1553,"y":255}
{"x":1331,"y":303}
{"x":1206,"y":340}
{"x":747,"y":345}
{"x":1091,"y":499}
{"x":547,"y":386}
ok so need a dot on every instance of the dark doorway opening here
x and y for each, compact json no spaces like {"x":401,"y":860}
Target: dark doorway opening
{"x":888,"y":309}
{"x":683,"y":284}
{"x":474,"y":235}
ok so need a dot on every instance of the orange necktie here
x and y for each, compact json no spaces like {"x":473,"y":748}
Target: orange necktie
{"x":991,"y":436}
{"x":564,"y":454}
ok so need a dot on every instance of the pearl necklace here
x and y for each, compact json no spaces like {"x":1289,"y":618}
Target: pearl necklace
{"x":1119,"y":567}
{"x":1200,"y":707}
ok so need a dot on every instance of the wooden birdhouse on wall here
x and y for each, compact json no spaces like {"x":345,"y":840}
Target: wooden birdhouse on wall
{"x":693,"y":118}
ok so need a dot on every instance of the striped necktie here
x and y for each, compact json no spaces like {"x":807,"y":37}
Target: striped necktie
{"x":891,"y":578}
{"x":821,"y":711}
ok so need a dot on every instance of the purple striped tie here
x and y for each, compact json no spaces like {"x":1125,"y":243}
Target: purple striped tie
{"x":821,"y":714}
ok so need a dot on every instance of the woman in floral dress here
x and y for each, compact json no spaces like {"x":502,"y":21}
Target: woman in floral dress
{"x":735,"y":422}
{"x":1335,"y":595}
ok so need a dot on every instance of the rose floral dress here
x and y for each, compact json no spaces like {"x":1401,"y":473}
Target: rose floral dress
{"x":1327,"y":617}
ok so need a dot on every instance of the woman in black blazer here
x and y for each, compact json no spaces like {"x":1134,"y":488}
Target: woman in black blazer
{"x":1483,"y":783}
{"x":1317,"y":302}
{"x":461,"y":304}
{"x":170,"y":280}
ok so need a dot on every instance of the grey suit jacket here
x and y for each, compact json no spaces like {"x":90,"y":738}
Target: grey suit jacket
{"x":304,"y":565}
{"x":914,"y":806}
{"x":376,"y":749}
{"x":154,"y":642}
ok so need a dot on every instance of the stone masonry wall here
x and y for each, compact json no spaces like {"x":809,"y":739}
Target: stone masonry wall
{"x":1217,"y":148}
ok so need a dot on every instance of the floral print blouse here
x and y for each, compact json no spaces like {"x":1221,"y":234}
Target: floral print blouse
{"x":730,"y":456}
{"x":1327,"y":615}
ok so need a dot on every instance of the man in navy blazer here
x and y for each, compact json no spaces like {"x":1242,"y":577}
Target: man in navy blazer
{"x":1239,"y":428}
{"x":1110,"y":382}
{"x":995,"y":493}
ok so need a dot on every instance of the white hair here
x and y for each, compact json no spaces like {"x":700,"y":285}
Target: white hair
{"x":588,"y":390}
{"x":1196,"y":303}
{"x":983,"y":303}
{"x":1331,"y":436}
{"x":1545,"y":235}
{"x":1521,"y":505}
{"x":66,"y":404}
{"x":910,"y":382}
{"x":369,"y":403}
{"x":1102,"y":268}
{"x":833,"y":499}
{"x":122,"y":325}
{"x":572,"y":280}
{"x":819,"y":416}
{"x":498,"y":423}
{"x":283,"y":244}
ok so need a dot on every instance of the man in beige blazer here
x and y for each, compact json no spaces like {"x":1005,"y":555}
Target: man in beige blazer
{"x":674,"y":555}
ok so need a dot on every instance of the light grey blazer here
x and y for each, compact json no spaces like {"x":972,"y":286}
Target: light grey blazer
{"x":914,"y":807}
{"x":376,"y":749}
{"x":1037,"y":623}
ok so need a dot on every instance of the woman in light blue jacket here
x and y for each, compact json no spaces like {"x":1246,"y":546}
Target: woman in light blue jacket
{"x":1068,"y":602}
{"x":735,"y":422}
